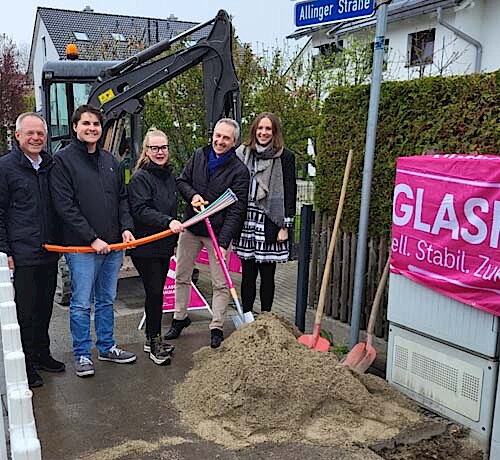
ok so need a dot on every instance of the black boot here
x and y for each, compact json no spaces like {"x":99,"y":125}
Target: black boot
{"x":158,"y":354}
{"x":177,"y":326}
{"x":34,"y":378}
{"x":216,"y":338}
{"x":47,"y":363}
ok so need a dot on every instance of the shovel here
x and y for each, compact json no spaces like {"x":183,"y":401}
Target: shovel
{"x":314,"y":340}
{"x":240,"y":318}
{"x":361,"y":357}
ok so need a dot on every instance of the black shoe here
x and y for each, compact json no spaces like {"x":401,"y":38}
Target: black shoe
{"x":177,"y":326}
{"x":49,"y":364}
{"x":169,"y":348}
{"x":158,"y":354}
{"x":34,"y":378}
{"x":216,"y":338}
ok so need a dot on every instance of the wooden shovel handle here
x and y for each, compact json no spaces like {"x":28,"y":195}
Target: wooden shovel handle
{"x":331,"y":247}
{"x":378,"y":297}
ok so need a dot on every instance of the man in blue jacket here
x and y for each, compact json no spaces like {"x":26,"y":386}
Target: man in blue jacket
{"x":26,"y":222}
{"x":89,"y":195}
{"x":207,"y":175}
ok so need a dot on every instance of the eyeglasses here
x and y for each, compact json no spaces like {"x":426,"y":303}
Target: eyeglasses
{"x":157,"y":148}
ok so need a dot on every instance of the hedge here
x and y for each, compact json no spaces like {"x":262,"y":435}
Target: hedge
{"x":453,"y":114}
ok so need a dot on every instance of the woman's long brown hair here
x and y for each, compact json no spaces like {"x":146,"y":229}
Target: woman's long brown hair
{"x":277,"y":131}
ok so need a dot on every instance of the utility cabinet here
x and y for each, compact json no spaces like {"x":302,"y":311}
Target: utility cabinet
{"x":444,"y":355}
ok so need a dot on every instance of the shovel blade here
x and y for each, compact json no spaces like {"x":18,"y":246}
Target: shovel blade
{"x":354,"y":356}
{"x":366,"y":361}
{"x":360,"y":358}
{"x":248,"y":317}
{"x":320,"y":344}
{"x":237,"y":321}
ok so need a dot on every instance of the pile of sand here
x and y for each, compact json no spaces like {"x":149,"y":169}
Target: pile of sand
{"x":261,"y":385}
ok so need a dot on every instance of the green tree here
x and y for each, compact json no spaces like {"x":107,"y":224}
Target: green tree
{"x":267,"y":83}
{"x":13,"y":87}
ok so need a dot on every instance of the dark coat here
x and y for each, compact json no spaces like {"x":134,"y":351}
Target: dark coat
{"x":271,"y":230}
{"x":90,"y":196}
{"x":232,"y":174}
{"x":27,"y":219}
{"x":152,"y":195}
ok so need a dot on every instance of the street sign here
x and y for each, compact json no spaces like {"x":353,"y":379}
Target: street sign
{"x":317,"y":12}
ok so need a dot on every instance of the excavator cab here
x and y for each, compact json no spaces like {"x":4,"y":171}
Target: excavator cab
{"x":118,"y":88}
{"x":65,"y":86}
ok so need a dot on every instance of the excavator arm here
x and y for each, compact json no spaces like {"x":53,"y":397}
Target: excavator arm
{"x":120,"y":89}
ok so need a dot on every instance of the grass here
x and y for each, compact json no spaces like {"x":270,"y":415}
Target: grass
{"x":339,"y":349}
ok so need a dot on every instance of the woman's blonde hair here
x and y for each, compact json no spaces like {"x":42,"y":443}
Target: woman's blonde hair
{"x":143,"y":159}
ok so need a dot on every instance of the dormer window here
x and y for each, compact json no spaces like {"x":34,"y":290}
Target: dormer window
{"x":118,"y":37}
{"x":81,"y":36}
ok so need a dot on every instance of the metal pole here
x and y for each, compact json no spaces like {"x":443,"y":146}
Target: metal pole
{"x":371,"y":132}
{"x":306,"y":214}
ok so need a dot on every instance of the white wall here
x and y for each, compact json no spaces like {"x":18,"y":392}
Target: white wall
{"x":39,"y":58}
{"x":452,"y":55}
{"x":490,"y":35}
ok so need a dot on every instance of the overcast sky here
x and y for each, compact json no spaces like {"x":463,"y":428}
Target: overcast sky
{"x":264,"y":23}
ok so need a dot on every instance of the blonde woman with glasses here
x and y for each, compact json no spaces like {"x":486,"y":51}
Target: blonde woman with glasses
{"x":153,"y":203}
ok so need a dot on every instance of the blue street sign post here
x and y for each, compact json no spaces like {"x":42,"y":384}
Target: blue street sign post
{"x":371,"y":135}
{"x":317,"y":12}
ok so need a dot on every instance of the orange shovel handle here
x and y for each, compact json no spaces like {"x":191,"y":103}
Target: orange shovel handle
{"x":113,"y":247}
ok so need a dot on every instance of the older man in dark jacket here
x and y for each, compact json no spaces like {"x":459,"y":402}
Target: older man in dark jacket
{"x":26,"y":222}
{"x":209,"y":173}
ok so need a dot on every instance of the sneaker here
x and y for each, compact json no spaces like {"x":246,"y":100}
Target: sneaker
{"x":177,"y":326}
{"x":117,"y":355}
{"x":49,"y":364}
{"x":169,"y":348}
{"x":158,"y":354}
{"x":34,"y":378}
{"x":84,"y":367}
{"x":216,"y":338}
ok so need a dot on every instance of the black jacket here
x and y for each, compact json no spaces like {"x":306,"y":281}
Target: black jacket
{"x":271,"y":230}
{"x":195,"y":179}
{"x":152,"y":195}
{"x":26,"y":213}
{"x":89,"y":194}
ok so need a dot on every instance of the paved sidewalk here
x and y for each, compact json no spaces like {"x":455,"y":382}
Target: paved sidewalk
{"x":125,"y":410}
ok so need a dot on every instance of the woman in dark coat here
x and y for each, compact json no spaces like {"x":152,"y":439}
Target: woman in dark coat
{"x":153,"y":203}
{"x":271,"y":209}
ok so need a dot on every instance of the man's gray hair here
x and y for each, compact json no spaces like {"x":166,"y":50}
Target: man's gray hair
{"x":233,"y":123}
{"x":20,"y":118}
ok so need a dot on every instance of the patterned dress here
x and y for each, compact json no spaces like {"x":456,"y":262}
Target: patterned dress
{"x":252,"y":243}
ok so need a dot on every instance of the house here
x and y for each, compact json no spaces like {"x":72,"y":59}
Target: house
{"x":424,"y":37}
{"x":98,"y":36}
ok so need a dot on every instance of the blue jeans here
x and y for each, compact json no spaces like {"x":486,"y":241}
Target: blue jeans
{"x":94,"y":277}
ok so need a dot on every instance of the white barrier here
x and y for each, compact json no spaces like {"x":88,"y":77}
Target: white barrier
{"x":24,"y":443}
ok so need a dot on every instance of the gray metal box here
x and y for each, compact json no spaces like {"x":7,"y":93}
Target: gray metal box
{"x":451,"y":382}
{"x":423,"y":310}
{"x":495,"y":434}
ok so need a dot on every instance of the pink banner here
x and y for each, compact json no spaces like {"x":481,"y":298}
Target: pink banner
{"x":196,"y":301}
{"x":234,"y":261}
{"x":446,"y":226}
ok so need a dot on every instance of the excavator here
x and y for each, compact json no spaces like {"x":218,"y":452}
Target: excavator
{"x":118,"y":90}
